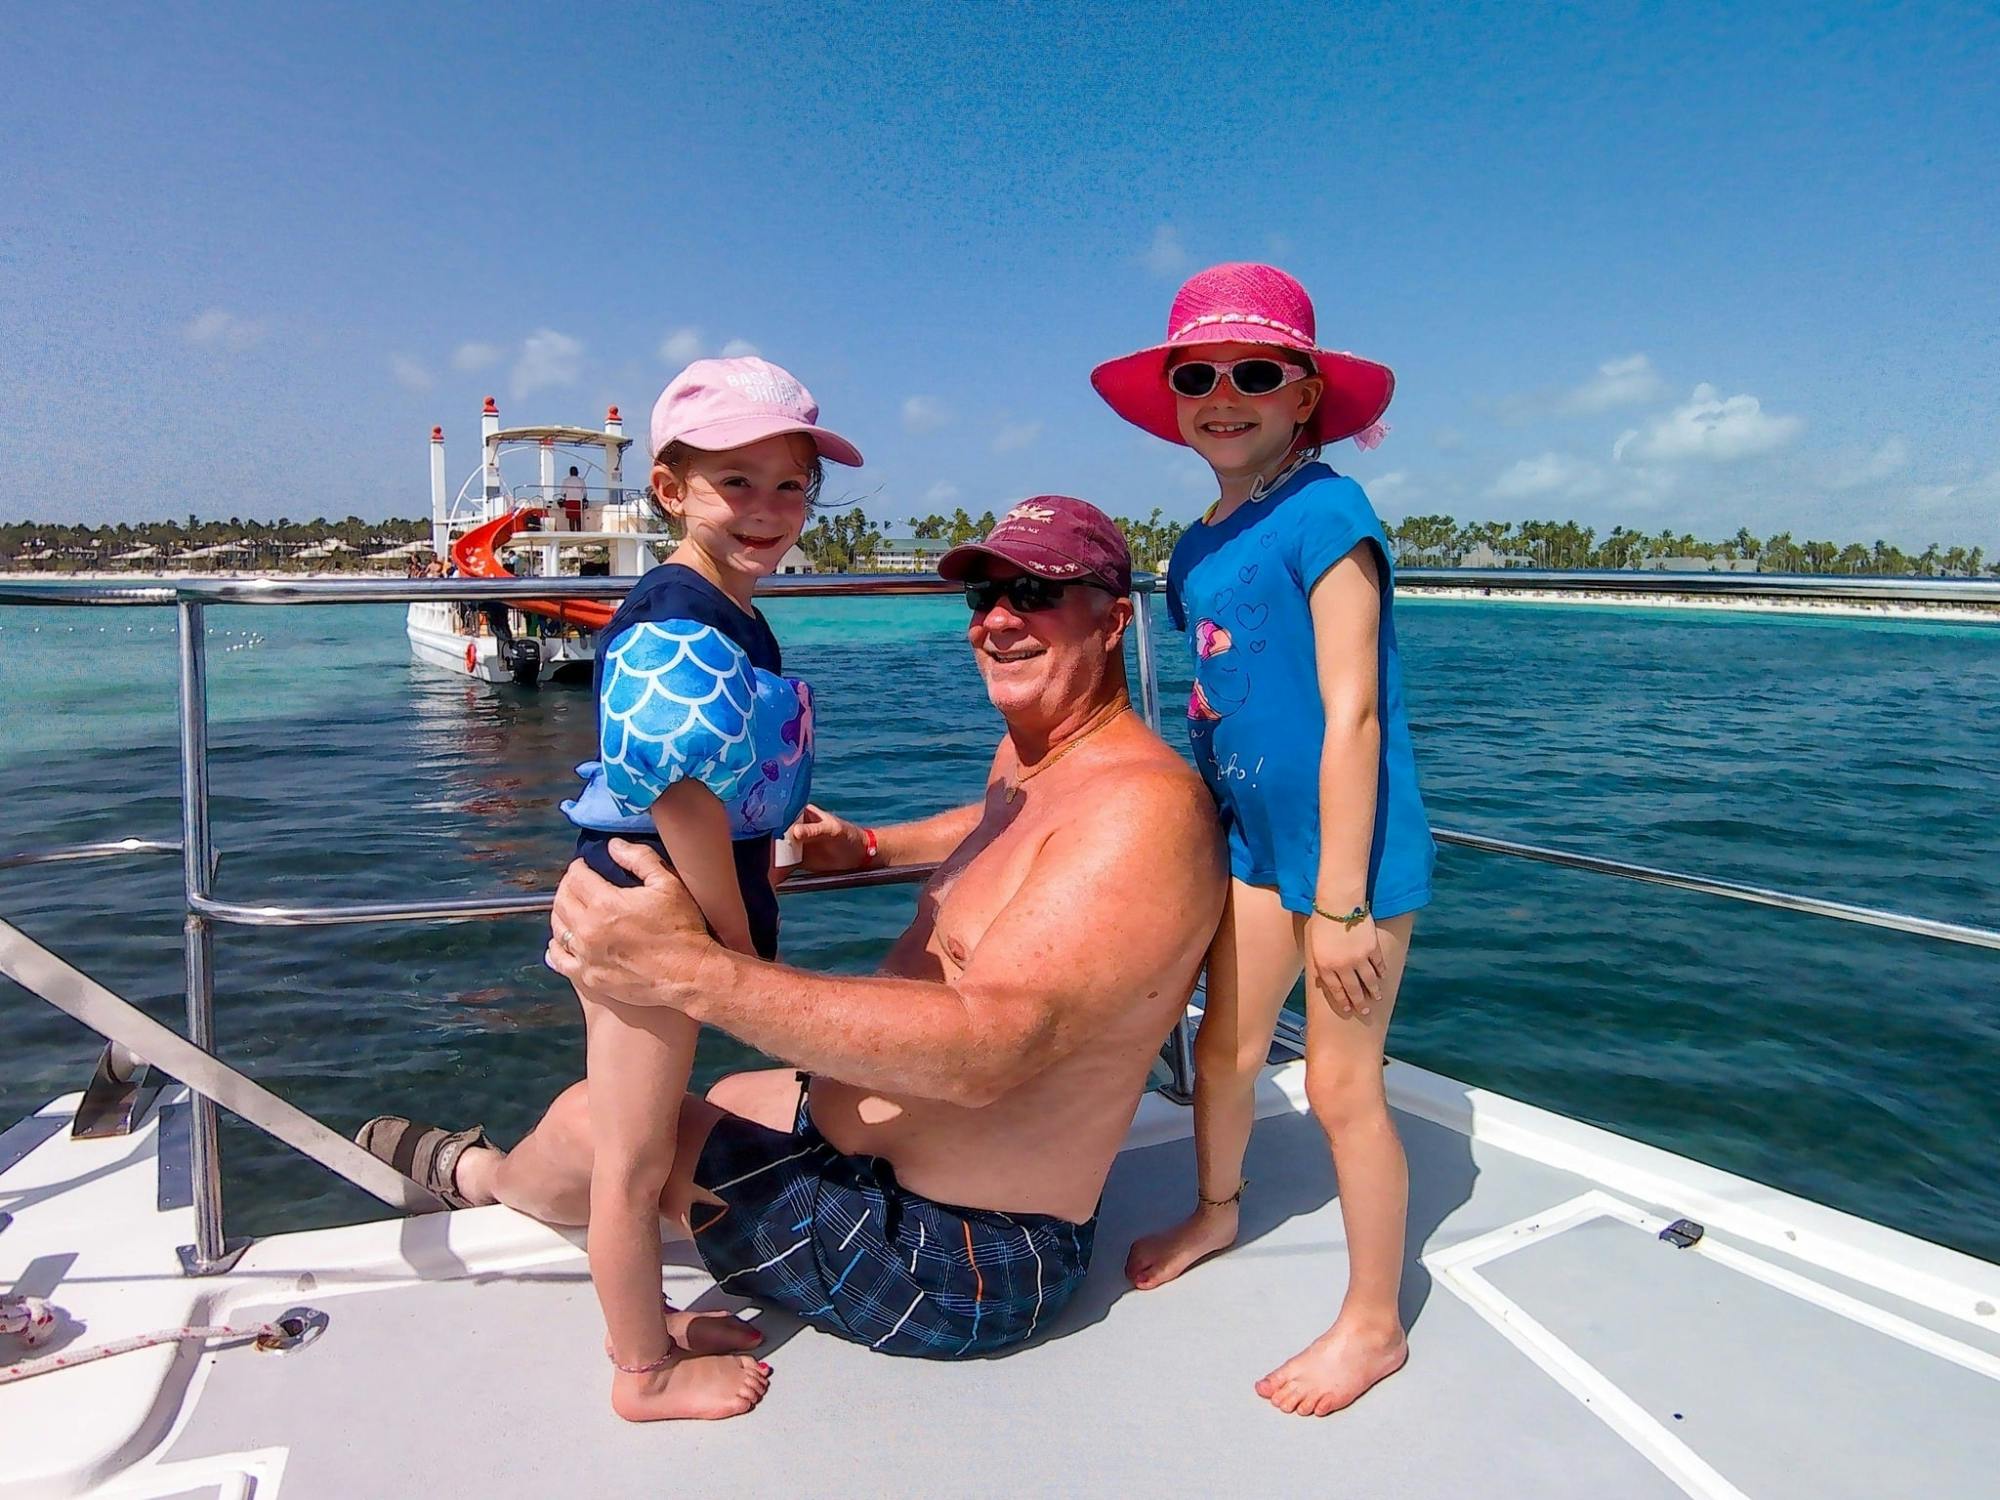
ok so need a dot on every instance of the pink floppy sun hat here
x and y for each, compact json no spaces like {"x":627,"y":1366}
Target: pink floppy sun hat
{"x":717,"y":404}
{"x":1245,"y":303}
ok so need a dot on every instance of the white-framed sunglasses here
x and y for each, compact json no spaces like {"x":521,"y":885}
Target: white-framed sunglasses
{"x":1256,"y":375}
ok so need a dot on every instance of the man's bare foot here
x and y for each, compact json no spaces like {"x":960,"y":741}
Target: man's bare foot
{"x":1336,"y":1369}
{"x":1156,"y":1259}
{"x":712,"y":1332}
{"x":704,"y":1333}
{"x":703,"y":1387}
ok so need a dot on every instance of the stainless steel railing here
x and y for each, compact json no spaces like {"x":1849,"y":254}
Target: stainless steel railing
{"x":189,"y":597}
{"x":72,"y":853}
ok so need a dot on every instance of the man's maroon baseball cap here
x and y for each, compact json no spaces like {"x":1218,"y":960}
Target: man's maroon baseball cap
{"x":1052,"y":536}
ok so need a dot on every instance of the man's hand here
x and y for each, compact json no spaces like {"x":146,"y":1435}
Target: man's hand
{"x":1345,"y":964}
{"x":827,"y":843}
{"x":638,"y":945}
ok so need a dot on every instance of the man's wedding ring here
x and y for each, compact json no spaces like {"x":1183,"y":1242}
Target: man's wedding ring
{"x":566,"y":938}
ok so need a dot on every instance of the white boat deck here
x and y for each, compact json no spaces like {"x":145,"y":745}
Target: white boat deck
{"x":1559,"y":1347}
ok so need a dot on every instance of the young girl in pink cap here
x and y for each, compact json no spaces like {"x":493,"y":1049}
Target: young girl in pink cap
{"x":1297,"y":720}
{"x":705,"y":753}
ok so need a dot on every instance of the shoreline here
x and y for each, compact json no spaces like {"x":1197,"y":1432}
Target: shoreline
{"x":1849,"y":609}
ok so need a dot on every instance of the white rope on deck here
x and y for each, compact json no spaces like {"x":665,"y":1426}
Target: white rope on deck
{"x":34,"y":1321}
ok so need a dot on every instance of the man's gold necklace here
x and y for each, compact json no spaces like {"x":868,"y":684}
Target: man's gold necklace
{"x":1023,"y":777}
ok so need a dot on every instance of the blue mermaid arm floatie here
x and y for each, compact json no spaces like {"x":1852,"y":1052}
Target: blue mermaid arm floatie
{"x":678,"y":700}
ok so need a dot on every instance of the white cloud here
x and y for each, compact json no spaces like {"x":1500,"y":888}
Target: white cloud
{"x":1711,"y":427}
{"x":1166,"y":256}
{"x":944,"y":492}
{"x":222,"y":329}
{"x":737,"y":348}
{"x":1969,"y":508}
{"x":924,"y":414}
{"x":547,"y":359}
{"x":1891,"y":458}
{"x":409,"y":374}
{"x":682,"y":346}
{"x":1550,"y":474}
{"x":1394,"y":491}
{"x":1618,"y":382}
{"x":473,"y":357}
{"x":1016,"y":435}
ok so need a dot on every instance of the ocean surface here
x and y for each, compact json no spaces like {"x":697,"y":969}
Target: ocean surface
{"x":1853,"y":759}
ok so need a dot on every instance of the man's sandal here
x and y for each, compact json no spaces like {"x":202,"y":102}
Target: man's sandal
{"x":427,"y":1153}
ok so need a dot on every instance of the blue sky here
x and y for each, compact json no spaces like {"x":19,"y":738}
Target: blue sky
{"x":1664,"y":266}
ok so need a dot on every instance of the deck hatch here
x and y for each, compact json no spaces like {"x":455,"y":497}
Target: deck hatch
{"x":1783,"y":1385}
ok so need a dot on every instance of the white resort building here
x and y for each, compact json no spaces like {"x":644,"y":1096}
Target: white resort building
{"x":907,"y":554}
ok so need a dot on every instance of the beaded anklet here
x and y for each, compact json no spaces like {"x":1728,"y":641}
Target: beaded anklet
{"x":647,"y":1369}
{"x":1235,"y":1197}
{"x":673,"y":1349}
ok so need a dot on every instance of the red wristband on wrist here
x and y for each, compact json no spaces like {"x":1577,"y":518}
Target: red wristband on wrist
{"x":868,"y":846}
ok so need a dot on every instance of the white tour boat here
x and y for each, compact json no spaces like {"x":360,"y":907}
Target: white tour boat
{"x":556,"y":527}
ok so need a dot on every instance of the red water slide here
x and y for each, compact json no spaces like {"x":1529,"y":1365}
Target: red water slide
{"x":477,"y":555}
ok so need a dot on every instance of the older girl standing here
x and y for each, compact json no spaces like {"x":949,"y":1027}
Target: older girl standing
{"x":1297,"y":721}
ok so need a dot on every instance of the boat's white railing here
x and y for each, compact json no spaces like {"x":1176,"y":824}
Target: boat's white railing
{"x":591,"y":494}
{"x":212,"y":1080}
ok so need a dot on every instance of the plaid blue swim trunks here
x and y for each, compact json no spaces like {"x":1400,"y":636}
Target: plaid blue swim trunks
{"x":836,"y":1241}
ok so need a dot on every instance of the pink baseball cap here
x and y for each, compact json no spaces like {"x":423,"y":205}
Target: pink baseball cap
{"x":715,"y":404}
{"x":1055,"y":537}
{"x":1245,"y":303}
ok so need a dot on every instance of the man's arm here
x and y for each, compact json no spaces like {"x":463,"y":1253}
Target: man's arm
{"x":827,"y":842}
{"x":1047,"y":974}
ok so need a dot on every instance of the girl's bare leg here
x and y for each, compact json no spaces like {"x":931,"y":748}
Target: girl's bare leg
{"x":639,"y":1065}
{"x":1344,"y":1085}
{"x":547,"y":1177}
{"x":1252,"y":965}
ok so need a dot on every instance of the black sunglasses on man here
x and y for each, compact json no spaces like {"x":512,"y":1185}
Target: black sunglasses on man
{"x":1025,"y":593}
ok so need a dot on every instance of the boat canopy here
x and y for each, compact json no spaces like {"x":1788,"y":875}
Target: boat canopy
{"x":575,"y":436}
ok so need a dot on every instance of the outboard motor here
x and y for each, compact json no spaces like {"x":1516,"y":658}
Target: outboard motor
{"x":524,"y":662}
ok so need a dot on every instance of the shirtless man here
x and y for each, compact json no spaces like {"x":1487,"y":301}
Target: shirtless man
{"x":933,"y":1190}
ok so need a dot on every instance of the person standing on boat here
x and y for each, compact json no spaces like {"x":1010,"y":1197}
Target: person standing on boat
{"x":706,"y":753}
{"x":1298,"y":725}
{"x":926,"y":1182}
{"x":572,"y":499}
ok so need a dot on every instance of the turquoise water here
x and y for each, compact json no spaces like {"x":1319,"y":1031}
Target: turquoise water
{"x":1849,"y":758}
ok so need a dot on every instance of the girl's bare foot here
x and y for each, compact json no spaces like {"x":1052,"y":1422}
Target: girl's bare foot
{"x":1337,"y":1368}
{"x":703,"y":1387}
{"x":1156,"y":1259}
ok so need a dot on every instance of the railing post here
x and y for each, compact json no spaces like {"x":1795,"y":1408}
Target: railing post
{"x":209,"y":1253}
{"x":1179,"y":1051}
{"x":1149,"y":669}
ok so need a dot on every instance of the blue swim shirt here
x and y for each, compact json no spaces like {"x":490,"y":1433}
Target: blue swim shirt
{"x":1239,"y":589}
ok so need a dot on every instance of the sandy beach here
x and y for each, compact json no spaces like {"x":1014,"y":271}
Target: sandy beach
{"x":207,"y":577}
